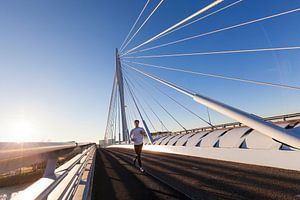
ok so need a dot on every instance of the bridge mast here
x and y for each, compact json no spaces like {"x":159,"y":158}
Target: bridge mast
{"x":119,"y":75}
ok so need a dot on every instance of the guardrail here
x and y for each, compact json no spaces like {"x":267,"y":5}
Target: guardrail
{"x":71,"y":180}
{"x":274,"y":119}
{"x":16,"y":158}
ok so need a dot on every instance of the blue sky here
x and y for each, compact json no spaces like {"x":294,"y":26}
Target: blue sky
{"x":57,"y":62}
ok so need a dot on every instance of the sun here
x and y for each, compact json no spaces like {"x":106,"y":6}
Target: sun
{"x":22,"y":130}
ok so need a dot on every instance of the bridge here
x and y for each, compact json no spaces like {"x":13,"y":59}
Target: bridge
{"x":251,"y":157}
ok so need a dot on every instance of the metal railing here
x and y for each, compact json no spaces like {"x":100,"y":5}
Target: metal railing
{"x":295,"y":117}
{"x":73,"y":178}
{"x":12,"y":159}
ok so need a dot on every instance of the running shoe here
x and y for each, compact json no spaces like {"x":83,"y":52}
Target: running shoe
{"x":141,"y":169}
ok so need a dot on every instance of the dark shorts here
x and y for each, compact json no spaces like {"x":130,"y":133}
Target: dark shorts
{"x":138,"y":148}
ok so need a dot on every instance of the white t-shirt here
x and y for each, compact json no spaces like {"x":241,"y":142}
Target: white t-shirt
{"x":136,"y":135}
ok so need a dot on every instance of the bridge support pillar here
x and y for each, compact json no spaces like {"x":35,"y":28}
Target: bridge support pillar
{"x":120,"y":84}
{"x":51,"y":166}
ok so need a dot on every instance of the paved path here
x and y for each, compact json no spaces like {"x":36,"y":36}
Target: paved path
{"x":116,"y":178}
{"x":197,"y":177}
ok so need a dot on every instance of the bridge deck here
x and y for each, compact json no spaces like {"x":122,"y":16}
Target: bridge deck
{"x":117,"y":179}
{"x":197,"y":177}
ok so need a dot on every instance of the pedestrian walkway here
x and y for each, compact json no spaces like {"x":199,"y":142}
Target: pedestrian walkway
{"x":196,"y":178}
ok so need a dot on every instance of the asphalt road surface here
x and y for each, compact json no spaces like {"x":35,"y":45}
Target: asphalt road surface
{"x":117,"y":178}
{"x":197,"y":178}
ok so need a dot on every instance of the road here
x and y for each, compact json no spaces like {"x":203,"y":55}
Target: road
{"x":116,"y":178}
{"x":198,"y":178}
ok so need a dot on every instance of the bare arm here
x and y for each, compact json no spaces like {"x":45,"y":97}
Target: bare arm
{"x":143,"y":132}
{"x":131,"y":135}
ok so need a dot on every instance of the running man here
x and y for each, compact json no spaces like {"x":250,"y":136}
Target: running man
{"x":136,"y":135}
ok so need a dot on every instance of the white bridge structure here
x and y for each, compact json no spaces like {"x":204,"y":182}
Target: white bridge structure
{"x":72,"y":180}
{"x":251,"y":140}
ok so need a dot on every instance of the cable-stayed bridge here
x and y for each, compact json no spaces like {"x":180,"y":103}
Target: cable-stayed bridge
{"x":250,"y":158}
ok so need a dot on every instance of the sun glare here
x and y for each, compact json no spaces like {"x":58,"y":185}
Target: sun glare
{"x":22,"y":130}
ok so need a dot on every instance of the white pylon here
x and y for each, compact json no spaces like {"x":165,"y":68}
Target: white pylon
{"x":119,"y":76}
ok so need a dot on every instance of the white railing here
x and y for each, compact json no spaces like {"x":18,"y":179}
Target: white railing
{"x":73,"y":178}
